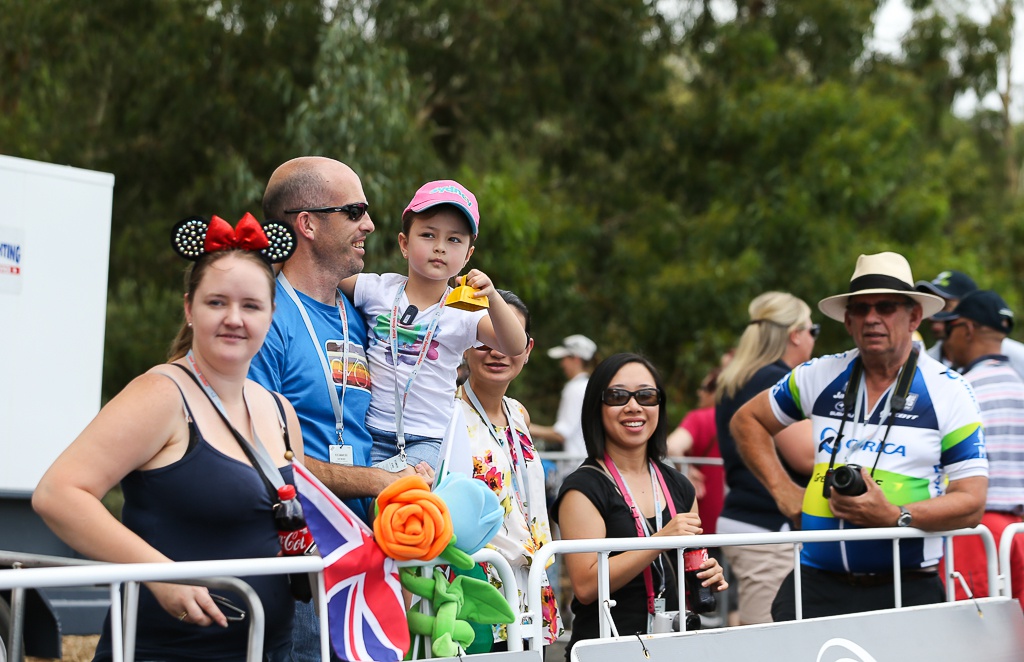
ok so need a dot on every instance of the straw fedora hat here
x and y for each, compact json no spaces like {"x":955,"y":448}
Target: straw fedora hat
{"x":881,"y":273}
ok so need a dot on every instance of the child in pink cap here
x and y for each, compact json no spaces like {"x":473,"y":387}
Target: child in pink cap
{"x":416,"y":341}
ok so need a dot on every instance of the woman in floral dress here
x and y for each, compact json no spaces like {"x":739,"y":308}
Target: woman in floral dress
{"x":504,"y":457}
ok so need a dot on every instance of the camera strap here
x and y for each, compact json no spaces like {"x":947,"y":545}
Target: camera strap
{"x":849,"y":402}
{"x":898,"y":400}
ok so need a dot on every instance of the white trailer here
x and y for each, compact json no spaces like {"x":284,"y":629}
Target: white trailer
{"x":54,"y":252}
{"x":54,"y":255}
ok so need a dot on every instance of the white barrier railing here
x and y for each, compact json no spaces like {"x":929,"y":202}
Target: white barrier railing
{"x":1006,"y":568}
{"x":564,"y":459}
{"x":604,"y":547}
{"x":222,"y":572}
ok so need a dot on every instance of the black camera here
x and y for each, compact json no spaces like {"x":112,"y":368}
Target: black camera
{"x":848,"y":480}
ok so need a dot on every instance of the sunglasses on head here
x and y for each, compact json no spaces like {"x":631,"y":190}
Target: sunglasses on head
{"x":884,"y":308}
{"x":354,"y":210}
{"x":645,"y":397}
{"x":487,"y":348}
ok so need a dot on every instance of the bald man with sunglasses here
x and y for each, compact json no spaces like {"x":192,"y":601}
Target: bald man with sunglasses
{"x":315,"y":354}
{"x":892,"y":426}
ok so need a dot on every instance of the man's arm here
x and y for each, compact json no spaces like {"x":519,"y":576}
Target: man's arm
{"x":961,"y":506}
{"x":351,"y":482}
{"x":753,"y":427}
{"x":546,"y":433}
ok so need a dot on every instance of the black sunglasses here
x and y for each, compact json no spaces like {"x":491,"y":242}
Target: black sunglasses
{"x":815,"y":330}
{"x":645,"y":397}
{"x":355,"y":210}
{"x":884,"y":308}
{"x":952,"y":324}
{"x":231,"y":612}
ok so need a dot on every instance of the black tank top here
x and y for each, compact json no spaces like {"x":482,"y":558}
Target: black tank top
{"x":205,"y":506}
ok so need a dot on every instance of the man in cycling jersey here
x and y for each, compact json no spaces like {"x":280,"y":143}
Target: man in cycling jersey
{"x":903,"y":422}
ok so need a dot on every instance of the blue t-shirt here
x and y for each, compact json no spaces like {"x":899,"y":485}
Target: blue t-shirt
{"x":289,"y":363}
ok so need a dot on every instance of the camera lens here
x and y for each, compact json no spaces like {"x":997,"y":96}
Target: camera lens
{"x":848,"y":480}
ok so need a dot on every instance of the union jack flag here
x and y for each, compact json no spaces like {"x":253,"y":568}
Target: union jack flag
{"x":365,"y":610}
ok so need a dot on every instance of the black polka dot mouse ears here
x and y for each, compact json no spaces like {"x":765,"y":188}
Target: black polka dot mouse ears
{"x":194,"y":236}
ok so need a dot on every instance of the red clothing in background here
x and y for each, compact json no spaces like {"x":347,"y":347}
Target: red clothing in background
{"x":700,"y":423}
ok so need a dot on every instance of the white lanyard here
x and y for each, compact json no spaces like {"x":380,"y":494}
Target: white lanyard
{"x":261,"y":454}
{"x":521,"y":492}
{"x":339,"y":407}
{"x":401,"y":397}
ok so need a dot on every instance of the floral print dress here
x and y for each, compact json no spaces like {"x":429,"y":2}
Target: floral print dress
{"x":522,"y":495}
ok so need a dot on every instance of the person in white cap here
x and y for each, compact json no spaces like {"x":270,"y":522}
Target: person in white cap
{"x":900,"y":443}
{"x":576,"y":355}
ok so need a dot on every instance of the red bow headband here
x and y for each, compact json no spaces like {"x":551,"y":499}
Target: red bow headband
{"x":194,"y":236}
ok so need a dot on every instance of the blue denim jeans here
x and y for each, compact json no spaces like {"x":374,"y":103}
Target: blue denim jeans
{"x":417,"y":448}
{"x":306,"y":635}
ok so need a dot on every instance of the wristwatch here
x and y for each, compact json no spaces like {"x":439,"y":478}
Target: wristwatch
{"x":905,"y":517}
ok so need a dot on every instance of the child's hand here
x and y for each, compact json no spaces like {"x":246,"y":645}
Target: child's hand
{"x":480,"y":282}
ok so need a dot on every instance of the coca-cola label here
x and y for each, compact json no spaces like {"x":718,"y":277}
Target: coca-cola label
{"x":693,"y":558}
{"x":296,"y":543}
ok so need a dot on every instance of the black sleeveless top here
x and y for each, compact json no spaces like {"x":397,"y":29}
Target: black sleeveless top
{"x":630,"y":610}
{"x":205,"y":506}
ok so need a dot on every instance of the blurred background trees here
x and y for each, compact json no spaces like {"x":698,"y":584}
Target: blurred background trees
{"x":644,"y":168}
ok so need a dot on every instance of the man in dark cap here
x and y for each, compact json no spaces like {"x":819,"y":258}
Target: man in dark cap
{"x":953,"y":286}
{"x":975,"y":331}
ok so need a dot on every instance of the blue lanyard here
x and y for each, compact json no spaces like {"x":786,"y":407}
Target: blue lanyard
{"x":339,"y":408}
{"x":260,"y":453}
{"x":521,"y":491}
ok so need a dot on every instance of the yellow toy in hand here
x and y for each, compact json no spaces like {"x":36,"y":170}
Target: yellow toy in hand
{"x":463,"y":299}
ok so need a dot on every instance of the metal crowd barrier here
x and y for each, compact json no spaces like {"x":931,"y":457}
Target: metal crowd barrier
{"x":604,"y":547}
{"x":566,"y":460}
{"x":52,"y":572}
{"x":1006,"y":568}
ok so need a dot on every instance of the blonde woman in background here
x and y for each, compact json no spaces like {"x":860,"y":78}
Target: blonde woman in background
{"x":778,"y":337}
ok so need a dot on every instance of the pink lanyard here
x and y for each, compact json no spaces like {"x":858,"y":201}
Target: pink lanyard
{"x":638,"y":518}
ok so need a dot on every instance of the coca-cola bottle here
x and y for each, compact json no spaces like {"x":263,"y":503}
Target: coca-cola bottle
{"x":701,"y":599}
{"x":294,"y":536}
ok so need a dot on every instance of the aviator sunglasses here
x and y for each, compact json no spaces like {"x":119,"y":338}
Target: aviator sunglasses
{"x":884,"y":308}
{"x":645,"y":397}
{"x":354,"y":210}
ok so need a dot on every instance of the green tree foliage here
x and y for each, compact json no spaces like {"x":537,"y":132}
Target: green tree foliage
{"x":642,"y":175}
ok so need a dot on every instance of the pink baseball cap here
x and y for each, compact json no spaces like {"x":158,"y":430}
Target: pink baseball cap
{"x":447,"y":192}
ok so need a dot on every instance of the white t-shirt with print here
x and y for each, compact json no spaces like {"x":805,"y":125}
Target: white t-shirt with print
{"x":431,"y":399}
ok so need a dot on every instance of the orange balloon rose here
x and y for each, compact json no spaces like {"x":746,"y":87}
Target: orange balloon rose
{"x":412,"y":523}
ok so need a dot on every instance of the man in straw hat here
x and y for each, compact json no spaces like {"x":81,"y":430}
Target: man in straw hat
{"x":892,"y":424}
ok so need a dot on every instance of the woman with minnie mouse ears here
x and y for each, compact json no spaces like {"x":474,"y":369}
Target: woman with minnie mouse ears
{"x":198,"y":449}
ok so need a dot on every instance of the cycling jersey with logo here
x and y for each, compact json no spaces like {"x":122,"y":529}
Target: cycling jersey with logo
{"x":937,"y":436}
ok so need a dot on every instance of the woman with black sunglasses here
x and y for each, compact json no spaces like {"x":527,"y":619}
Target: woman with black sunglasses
{"x":625,"y":490}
